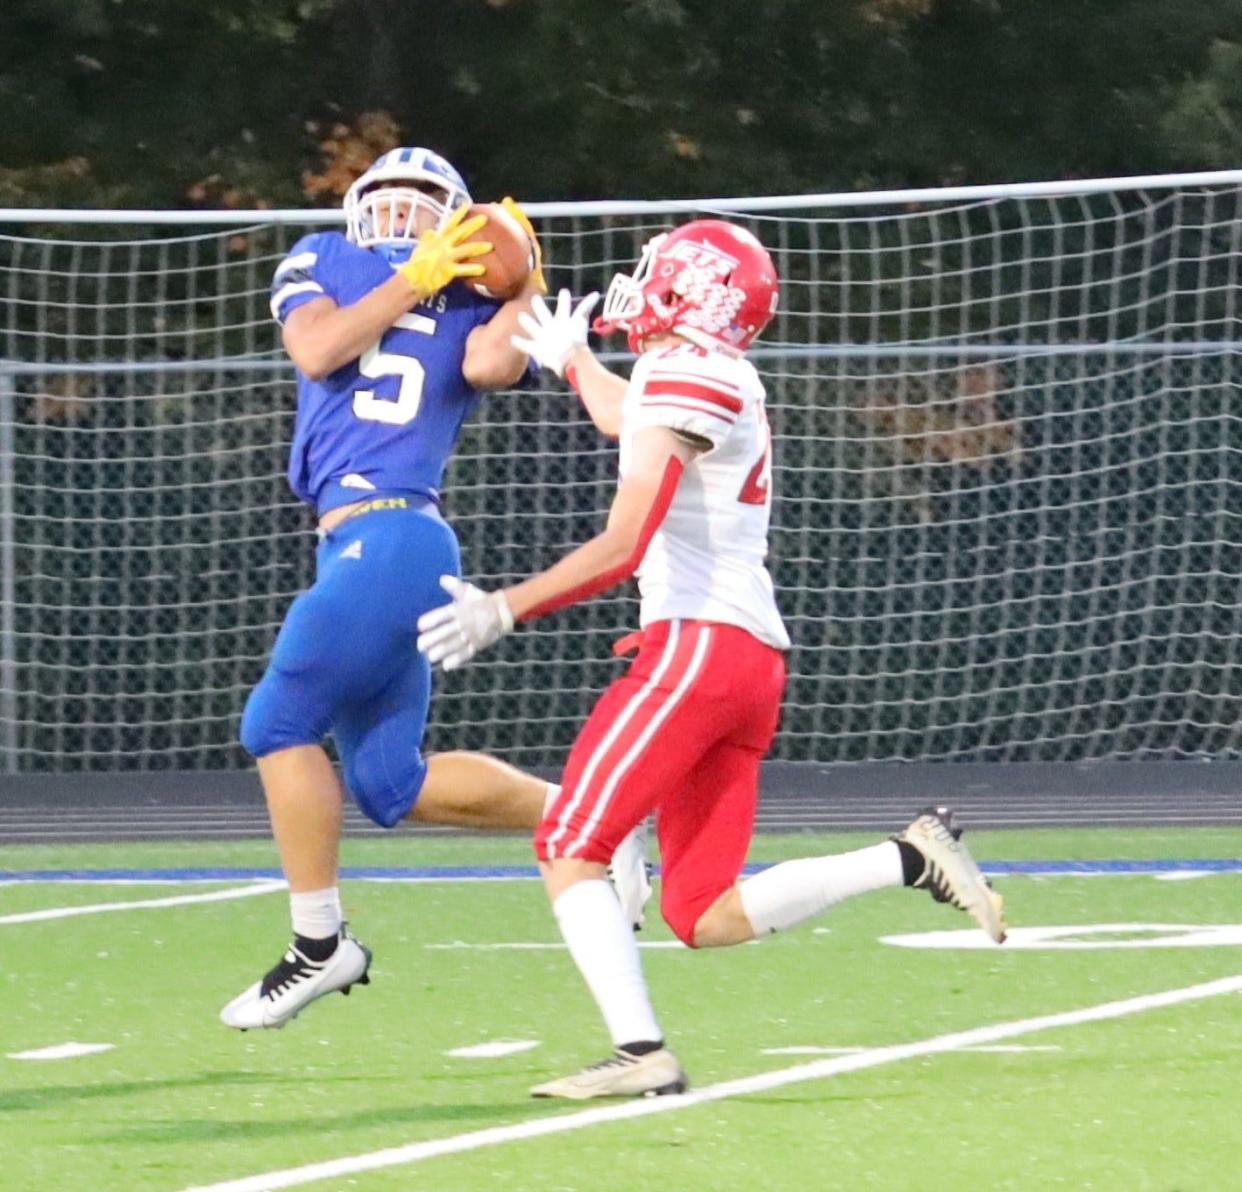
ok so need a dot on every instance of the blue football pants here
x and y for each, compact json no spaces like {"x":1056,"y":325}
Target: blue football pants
{"x":345,"y":661}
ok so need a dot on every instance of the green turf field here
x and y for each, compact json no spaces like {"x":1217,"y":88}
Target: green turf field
{"x":1146,"y":1099}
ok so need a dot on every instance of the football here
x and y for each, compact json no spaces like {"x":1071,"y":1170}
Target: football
{"x":508,"y":266}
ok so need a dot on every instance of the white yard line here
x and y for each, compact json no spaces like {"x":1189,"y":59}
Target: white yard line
{"x":99,"y":908}
{"x":487,"y":1051}
{"x":997,"y":1048}
{"x":562,"y":1123}
{"x":61,"y":1051}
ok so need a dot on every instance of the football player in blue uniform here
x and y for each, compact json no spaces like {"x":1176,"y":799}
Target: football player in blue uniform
{"x":392,"y":349}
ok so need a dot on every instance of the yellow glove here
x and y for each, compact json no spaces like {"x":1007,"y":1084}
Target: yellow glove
{"x":445,"y":254}
{"x":536,"y":274}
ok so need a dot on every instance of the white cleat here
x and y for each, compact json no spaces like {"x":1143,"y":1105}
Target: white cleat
{"x":656,"y":1074}
{"x":296,"y":982}
{"x":950,"y":873}
{"x":630,"y":874}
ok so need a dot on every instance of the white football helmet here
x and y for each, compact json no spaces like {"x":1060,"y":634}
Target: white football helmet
{"x":402,"y":180}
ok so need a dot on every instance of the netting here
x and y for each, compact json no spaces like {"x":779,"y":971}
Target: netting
{"x":1007,"y":525}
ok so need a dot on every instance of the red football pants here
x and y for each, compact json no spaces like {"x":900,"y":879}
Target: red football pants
{"x":681,"y":733}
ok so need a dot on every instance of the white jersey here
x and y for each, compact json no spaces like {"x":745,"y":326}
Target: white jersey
{"x":706,"y":560}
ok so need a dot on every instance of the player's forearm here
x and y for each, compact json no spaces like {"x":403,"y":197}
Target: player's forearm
{"x":491,"y":361}
{"x":345,"y":332}
{"x":605,"y":560}
{"x":601,"y":390}
{"x":637,"y":511}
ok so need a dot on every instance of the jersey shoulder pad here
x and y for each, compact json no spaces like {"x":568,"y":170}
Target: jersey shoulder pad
{"x":305,"y":273}
{"x":691,"y":390}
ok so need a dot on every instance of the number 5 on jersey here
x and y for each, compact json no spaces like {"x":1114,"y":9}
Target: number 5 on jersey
{"x":376,"y":365}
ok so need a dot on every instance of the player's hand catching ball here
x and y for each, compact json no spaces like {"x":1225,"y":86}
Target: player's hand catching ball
{"x":445,"y":254}
{"x":471,"y":621}
{"x":553,"y":337}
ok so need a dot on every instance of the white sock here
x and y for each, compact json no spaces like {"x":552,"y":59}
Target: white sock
{"x":603,"y":947}
{"x":794,"y":891}
{"x":554,"y":793}
{"x":316,"y":913}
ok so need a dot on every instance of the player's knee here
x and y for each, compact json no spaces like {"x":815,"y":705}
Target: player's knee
{"x":551,"y":842}
{"x":544,"y":830}
{"x":384,"y":794}
{"x":562,"y":833}
{"x":720,"y":926}
{"x":682,"y":927}
{"x":699,"y":918}
{"x":681,"y":913}
{"x":276,"y":718}
{"x":253,"y":732}
{"x":549,"y":831}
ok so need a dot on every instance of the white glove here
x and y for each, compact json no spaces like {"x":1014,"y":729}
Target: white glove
{"x":552,"y":338}
{"x":455,"y":632}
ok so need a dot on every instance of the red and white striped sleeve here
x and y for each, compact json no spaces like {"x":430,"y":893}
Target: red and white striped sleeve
{"x":687,"y":390}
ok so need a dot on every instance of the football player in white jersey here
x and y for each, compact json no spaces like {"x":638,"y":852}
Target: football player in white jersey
{"x":683,"y":731}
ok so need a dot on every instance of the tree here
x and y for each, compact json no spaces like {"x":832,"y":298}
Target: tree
{"x":155,"y":94}
{"x":1203,"y":117}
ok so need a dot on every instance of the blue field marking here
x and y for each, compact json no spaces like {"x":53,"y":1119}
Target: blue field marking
{"x":1068,"y":868}
{"x":483,"y":873}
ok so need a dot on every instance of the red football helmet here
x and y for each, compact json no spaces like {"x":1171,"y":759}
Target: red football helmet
{"x":710,"y":281}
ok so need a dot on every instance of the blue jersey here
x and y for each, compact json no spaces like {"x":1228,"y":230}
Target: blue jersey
{"x":386,"y":422}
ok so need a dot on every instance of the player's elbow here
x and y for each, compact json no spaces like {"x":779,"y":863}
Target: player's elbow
{"x":493,"y":370}
{"x":314,"y":372}
{"x":607,"y":423}
{"x":311,"y":359}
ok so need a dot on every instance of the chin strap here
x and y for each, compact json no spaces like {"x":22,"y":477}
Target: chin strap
{"x":395,"y":252}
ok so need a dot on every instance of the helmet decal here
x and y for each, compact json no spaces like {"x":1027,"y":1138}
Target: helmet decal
{"x":710,"y":281}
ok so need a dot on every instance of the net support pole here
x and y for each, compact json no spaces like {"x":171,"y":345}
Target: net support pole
{"x":8,"y":579}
